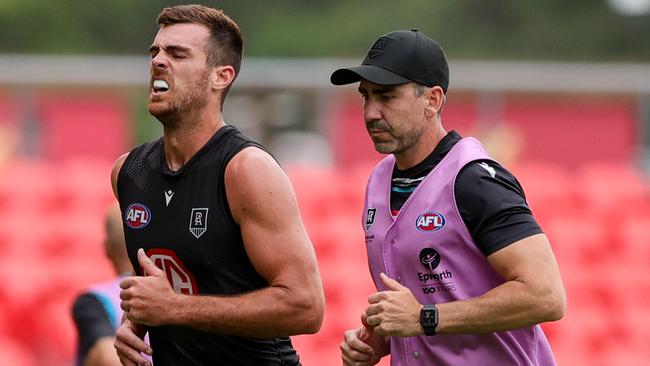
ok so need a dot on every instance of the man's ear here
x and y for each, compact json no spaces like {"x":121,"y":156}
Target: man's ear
{"x":435,"y":98}
{"x":222,"y":77}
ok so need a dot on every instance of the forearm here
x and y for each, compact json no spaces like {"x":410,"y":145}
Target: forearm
{"x":269,"y":312}
{"x":511,"y":305}
{"x":533,"y":293}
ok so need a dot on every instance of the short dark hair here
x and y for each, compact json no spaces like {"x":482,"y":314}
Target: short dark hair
{"x":419,"y":89}
{"x":226,"y":43}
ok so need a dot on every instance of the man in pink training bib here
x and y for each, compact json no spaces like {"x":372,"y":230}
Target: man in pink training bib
{"x":464,"y":272}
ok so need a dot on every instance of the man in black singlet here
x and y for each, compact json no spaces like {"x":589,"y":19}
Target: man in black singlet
{"x":226,"y":271}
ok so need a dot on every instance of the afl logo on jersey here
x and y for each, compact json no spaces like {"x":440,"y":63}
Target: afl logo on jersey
{"x":137,"y":216}
{"x":430,"y":221}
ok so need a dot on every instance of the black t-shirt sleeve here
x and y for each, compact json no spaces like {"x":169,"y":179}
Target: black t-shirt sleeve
{"x":493,"y":206}
{"x":91,"y":321}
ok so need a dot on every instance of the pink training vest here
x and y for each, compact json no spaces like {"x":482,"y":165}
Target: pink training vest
{"x":428,"y":249}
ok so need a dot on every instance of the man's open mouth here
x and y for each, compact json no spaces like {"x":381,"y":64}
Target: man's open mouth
{"x":160,"y":86}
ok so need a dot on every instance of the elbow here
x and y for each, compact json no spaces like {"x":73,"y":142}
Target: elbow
{"x":312,"y":324}
{"x":554,"y":305}
{"x":559,"y":310}
{"x":313,"y":312}
{"x":308,"y":311}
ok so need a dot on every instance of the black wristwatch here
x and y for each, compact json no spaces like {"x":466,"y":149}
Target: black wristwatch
{"x":429,"y":319}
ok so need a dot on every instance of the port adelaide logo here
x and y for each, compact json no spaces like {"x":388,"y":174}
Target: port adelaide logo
{"x":199,"y":222}
{"x":430,"y":221}
{"x":137,"y":216}
{"x":370,"y":217}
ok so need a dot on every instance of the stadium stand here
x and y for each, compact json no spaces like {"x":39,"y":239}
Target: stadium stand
{"x":590,"y":201}
{"x":603,"y":259}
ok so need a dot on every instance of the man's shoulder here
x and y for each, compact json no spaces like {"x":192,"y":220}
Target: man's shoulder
{"x":478,"y":176}
{"x":485,"y":168}
{"x":85,"y":303}
{"x":486,"y":180}
{"x":148,"y":146}
{"x":251,"y":158}
{"x":144,"y":152}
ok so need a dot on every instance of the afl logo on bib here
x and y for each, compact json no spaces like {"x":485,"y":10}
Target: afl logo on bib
{"x":137,"y":216}
{"x":430,"y":221}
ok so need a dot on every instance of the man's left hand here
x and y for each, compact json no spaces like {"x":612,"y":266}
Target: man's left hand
{"x":395,"y":312}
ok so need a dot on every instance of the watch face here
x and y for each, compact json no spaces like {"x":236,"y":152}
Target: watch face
{"x":428,"y":318}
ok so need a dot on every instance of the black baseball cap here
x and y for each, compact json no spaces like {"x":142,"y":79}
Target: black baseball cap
{"x":397,"y":58}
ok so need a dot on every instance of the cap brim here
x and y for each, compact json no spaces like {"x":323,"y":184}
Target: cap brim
{"x":372,"y":73}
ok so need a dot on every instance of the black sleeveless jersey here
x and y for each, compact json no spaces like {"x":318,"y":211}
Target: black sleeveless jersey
{"x":183,"y":222}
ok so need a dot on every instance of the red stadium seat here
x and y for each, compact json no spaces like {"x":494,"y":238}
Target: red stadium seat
{"x":607,"y":285}
{"x":32,"y":283}
{"x":27,"y":187}
{"x":584,"y":332}
{"x":53,"y":332}
{"x":68,"y":276}
{"x":572,"y":131}
{"x":352,"y":183}
{"x":628,"y":338}
{"x":14,"y":353}
{"x":632,"y":241}
{"x":578,"y":241}
{"x":317,"y":350}
{"x":317,"y":190}
{"x":9,"y":114}
{"x":85,"y":185}
{"x":72,"y":235}
{"x":548,"y":188}
{"x":21,"y":296}
{"x":337,"y":237}
{"x":84,"y":125}
{"x":612,"y":189}
{"x":623,"y":356}
{"x":20,"y":234}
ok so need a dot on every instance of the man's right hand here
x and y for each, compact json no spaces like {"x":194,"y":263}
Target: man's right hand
{"x":130,"y":345}
{"x":361,"y":347}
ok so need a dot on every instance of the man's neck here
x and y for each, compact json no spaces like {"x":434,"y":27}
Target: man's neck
{"x":191,"y":133}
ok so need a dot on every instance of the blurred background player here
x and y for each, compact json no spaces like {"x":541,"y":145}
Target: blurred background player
{"x":97,"y":312}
